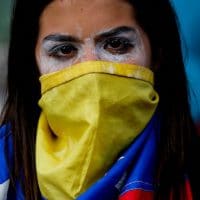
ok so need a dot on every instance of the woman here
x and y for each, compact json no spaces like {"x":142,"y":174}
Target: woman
{"x":49,"y":37}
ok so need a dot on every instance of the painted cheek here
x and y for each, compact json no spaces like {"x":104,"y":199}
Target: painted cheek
{"x":138,"y":55}
{"x":89,"y":51}
{"x":48,"y":64}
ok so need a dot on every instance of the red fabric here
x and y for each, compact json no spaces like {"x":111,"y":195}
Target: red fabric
{"x":145,"y":195}
{"x":188,"y":191}
{"x":137,"y":195}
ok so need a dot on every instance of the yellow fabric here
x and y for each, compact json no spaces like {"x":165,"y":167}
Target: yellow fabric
{"x":90,"y":113}
{"x":51,"y":80}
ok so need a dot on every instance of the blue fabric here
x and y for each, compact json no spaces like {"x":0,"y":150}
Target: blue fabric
{"x":6,"y":141}
{"x":189,"y":16}
{"x":133,"y":170}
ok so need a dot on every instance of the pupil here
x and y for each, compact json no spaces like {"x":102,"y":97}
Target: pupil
{"x":66,"y":49}
{"x":115,"y":43}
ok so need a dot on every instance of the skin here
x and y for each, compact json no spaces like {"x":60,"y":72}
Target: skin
{"x":74,"y":31}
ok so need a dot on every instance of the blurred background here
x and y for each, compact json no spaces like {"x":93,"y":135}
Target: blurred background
{"x":189,"y":17}
{"x":5,"y":10}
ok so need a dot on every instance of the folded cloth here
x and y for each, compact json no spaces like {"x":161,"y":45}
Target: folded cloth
{"x":132,"y":176}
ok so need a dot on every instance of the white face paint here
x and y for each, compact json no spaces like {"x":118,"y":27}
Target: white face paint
{"x":121,"y":44}
{"x":73,"y":31}
{"x":133,"y":50}
{"x":52,"y":59}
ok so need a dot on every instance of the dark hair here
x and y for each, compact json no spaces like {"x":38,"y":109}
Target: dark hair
{"x":21,"y":109}
{"x":158,"y":20}
{"x":177,"y":129}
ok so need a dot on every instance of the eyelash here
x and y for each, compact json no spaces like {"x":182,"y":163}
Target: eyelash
{"x":63,"y":51}
{"x":114,"y":45}
{"x":123,"y":45}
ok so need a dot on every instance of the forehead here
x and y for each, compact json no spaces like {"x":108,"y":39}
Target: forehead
{"x":85,"y":17}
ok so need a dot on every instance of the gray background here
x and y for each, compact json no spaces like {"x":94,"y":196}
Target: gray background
{"x":5,"y":10}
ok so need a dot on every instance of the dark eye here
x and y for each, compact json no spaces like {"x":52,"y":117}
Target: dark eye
{"x":65,"y":50}
{"x":118,"y":45}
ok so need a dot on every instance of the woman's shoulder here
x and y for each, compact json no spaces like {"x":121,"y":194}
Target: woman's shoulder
{"x":6,"y":163}
{"x":5,"y":130}
{"x":6,"y":152}
{"x":6,"y":145}
{"x":6,"y":157}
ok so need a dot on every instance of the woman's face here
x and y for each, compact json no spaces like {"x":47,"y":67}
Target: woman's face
{"x":73,"y":31}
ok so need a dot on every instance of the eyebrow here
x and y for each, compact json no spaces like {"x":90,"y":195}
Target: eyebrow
{"x":61,"y":38}
{"x":115,"y":31}
{"x":108,"y":33}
